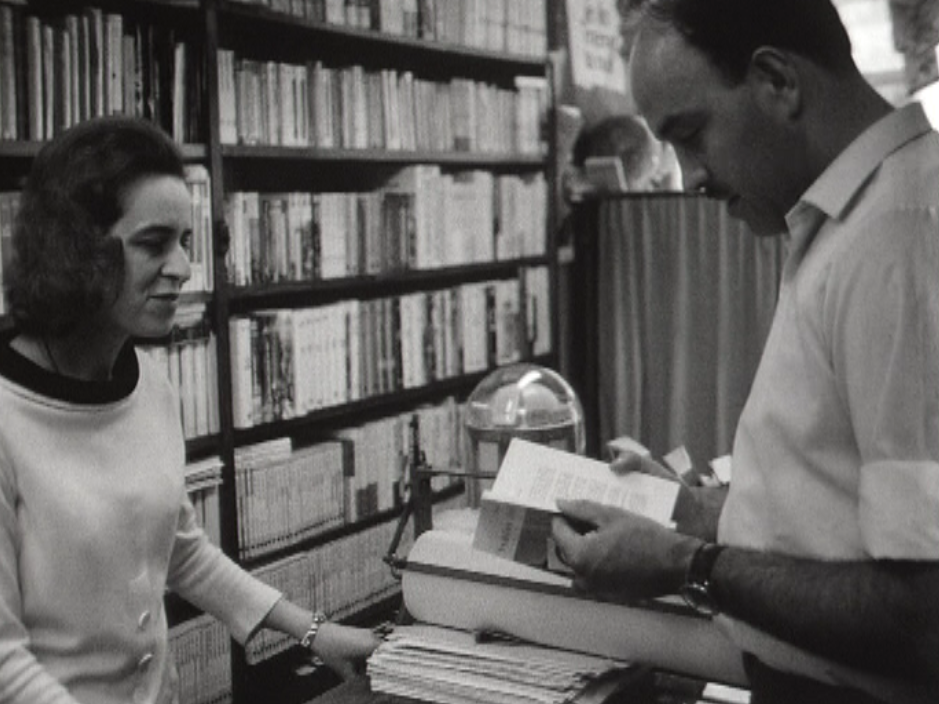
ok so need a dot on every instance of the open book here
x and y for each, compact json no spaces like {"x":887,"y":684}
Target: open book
{"x":451,"y":584}
{"x":515,"y":514}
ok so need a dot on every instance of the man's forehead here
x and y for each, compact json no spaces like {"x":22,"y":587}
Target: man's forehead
{"x":667,"y":74}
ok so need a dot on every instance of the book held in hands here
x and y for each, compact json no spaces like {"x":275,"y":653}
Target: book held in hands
{"x":516,"y":513}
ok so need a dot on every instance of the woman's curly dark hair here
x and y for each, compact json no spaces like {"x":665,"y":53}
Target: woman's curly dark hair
{"x":66,"y":266}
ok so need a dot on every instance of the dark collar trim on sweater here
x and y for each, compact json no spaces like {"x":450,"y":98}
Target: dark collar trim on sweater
{"x":22,"y":371}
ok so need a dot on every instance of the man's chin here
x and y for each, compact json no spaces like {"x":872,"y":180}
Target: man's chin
{"x":760,"y":223}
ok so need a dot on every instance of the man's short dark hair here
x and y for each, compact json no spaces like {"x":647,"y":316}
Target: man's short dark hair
{"x":729,"y":31}
{"x":66,"y":267}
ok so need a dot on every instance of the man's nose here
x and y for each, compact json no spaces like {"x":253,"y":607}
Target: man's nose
{"x":693,"y":174}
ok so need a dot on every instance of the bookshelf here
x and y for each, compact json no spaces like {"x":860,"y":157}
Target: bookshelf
{"x":377,"y":202}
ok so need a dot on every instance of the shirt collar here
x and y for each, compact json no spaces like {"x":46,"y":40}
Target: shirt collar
{"x":833,"y":191}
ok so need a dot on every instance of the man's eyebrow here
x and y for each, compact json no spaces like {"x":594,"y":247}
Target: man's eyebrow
{"x":676,"y":123}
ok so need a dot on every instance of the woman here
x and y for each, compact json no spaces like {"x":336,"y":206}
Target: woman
{"x":94,"y":518}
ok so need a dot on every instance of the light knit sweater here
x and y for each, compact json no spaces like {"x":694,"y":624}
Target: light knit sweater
{"x":95,"y":522}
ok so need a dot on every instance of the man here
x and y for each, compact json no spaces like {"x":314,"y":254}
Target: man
{"x":824,"y":565}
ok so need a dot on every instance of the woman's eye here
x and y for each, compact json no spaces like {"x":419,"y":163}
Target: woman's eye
{"x":186,"y":243}
{"x":154,"y":245}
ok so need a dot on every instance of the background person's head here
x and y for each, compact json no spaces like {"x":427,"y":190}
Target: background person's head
{"x":66,"y":265}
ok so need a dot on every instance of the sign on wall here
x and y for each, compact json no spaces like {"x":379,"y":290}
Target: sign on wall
{"x":595,"y":43}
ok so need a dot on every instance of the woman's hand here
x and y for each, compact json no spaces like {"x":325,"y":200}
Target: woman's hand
{"x":344,"y":649}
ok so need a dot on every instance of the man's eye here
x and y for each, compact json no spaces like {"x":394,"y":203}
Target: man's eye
{"x":688,"y":140}
{"x":186,"y":243}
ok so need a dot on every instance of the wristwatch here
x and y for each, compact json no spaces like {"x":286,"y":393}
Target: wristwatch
{"x":319,"y":618}
{"x":696,"y":590}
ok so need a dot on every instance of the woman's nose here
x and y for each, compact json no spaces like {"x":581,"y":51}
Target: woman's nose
{"x":177,"y":265}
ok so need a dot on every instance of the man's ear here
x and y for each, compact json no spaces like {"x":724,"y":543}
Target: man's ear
{"x":776,"y":81}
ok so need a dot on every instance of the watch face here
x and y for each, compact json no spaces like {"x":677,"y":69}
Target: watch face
{"x":699,"y":598}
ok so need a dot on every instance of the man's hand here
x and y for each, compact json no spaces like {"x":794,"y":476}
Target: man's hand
{"x":626,"y":557}
{"x":697,"y":509}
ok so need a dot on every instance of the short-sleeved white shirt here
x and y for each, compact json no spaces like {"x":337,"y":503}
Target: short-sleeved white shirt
{"x":836,"y":454}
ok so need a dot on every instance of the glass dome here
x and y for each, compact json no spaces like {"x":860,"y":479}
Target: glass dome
{"x":520,"y":401}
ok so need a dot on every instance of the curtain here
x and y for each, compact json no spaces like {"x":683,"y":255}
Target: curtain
{"x":684,"y":299}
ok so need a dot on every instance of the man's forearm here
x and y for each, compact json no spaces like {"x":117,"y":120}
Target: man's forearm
{"x":879,"y":617}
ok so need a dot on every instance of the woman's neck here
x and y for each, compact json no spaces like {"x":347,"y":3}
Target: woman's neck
{"x":78,"y":356}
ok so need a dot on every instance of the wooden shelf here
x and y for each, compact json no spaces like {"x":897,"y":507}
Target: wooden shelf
{"x":28,"y":149}
{"x":243,"y":18}
{"x":381,"y":156}
{"x":290,"y":294}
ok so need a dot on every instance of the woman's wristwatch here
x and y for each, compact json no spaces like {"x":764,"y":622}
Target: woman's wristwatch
{"x":319,"y":618}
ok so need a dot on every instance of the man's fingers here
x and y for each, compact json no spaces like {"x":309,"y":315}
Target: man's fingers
{"x":566,"y":539}
{"x":587,"y":514}
{"x":579,"y":510}
{"x":626,"y":463}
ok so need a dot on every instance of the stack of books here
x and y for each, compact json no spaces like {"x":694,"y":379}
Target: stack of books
{"x":450,"y":666}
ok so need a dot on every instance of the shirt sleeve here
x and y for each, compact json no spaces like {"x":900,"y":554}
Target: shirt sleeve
{"x":203,"y":575}
{"x":23,"y":679}
{"x":883,"y":311}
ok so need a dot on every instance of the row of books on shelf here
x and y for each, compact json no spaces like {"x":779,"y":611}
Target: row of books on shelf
{"x":203,"y":478}
{"x":9,"y":207}
{"x":513,"y":26}
{"x":288,"y":493}
{"x":289,"y":362}
{"x":56,"y":71}
{"x":201,"y":648}
{"x":383,"y":451}
{"x":200,"y":251}
{"x":312,"y":104}
{"x":189,"y":356}
{"x":421,"y":218}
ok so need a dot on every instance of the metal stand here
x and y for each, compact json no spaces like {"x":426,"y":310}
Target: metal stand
{"x":418,"y":502}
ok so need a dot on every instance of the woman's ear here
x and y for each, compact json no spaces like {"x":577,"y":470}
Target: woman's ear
{"x":776,"y":82}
